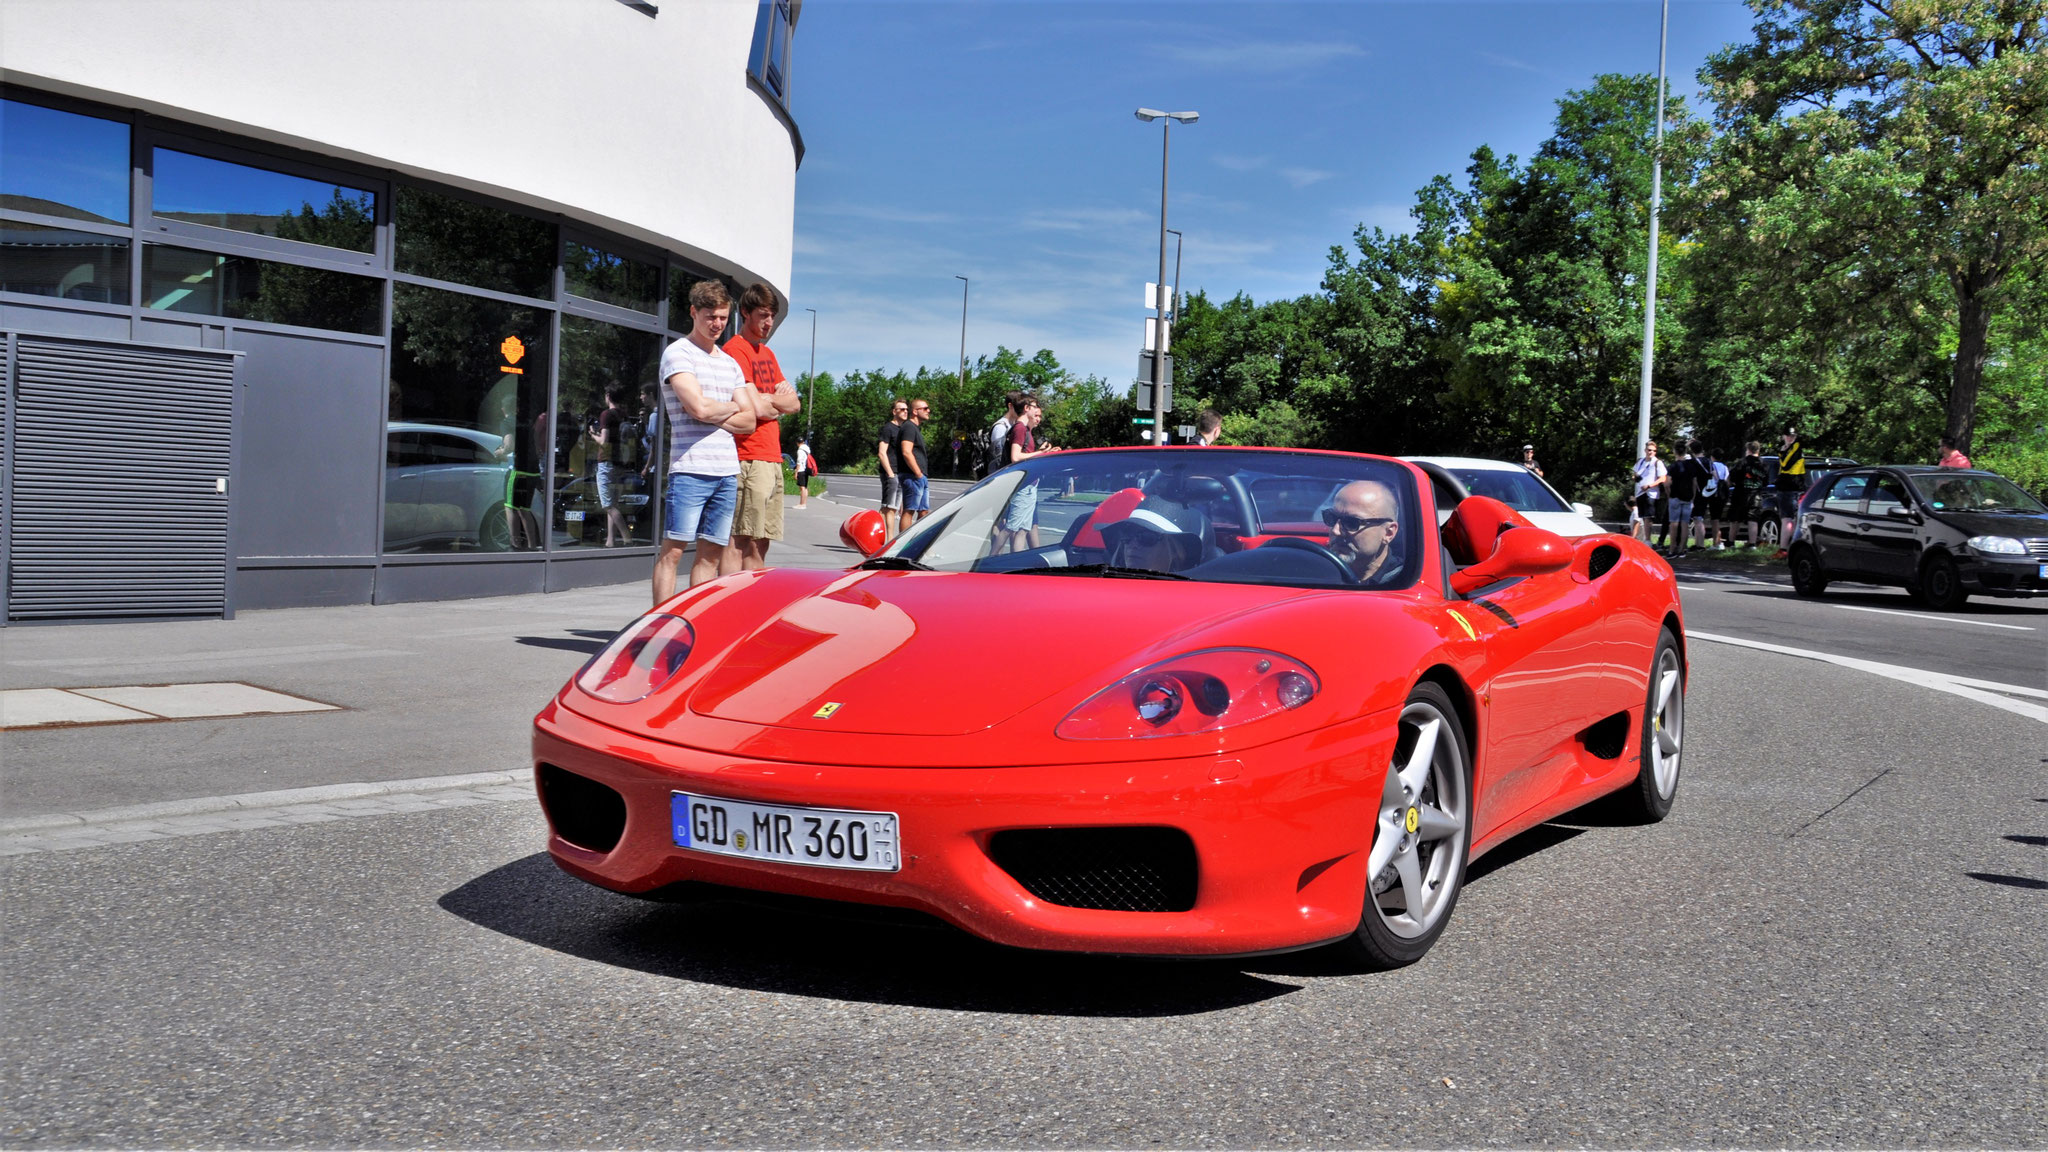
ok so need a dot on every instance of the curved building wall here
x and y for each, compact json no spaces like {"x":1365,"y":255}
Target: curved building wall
{"x":645,"y":125}
{"x":439,"y":246}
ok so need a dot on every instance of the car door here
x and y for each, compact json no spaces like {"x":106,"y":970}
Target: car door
{"x":1890,"y":544}
{"x":1556,"y":674}
{"x":1834,"y":521}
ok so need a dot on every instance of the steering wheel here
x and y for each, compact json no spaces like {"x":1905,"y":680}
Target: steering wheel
{"x":1303,"y":544}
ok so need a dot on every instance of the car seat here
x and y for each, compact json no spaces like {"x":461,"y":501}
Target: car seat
{"x":1112,"y":509}
{"x":1475,"y":528}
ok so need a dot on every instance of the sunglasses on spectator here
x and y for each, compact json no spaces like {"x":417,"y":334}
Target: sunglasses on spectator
{"x":1353,"y":525}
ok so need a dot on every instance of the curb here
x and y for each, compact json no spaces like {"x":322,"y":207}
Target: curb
{"x":278,"y":799}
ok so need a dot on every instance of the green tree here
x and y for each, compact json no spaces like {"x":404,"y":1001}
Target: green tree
{"x":1877,"y":186}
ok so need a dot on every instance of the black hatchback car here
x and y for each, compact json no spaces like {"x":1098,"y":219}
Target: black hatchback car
{"x":1940,"y":533}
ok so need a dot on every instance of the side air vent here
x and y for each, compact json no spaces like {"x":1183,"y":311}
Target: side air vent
{"x":584,"y":812}
{"x":1604,"y":557}
{"x":1607,"y":739}
{"x":1113,"y":869}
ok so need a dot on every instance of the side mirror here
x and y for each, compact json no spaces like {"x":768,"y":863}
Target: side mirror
{"x":1901,"y":512}
{"x":863,"y":532}
{"x":1518,"y":552}
{"x":1585,"y":510}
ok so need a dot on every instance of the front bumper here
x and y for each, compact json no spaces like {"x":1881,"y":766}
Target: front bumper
{"x":1280,"y":834}
{"x":1997,"y":575}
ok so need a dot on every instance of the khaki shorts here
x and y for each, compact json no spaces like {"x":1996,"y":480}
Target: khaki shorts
{"x":760,"y":510}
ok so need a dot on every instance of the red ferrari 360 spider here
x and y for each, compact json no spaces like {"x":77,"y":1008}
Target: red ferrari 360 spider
{"x":1143,"y":701}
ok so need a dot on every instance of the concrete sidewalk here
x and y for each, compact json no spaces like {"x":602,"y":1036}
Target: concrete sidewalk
{"x":420,"y":690}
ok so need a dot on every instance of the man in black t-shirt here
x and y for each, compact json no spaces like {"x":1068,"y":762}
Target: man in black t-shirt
{"x":1688,"y":476}
{"x":916,"y":477}
{"x":887,"y":449}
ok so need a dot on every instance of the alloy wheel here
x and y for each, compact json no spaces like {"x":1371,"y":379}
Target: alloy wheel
{"x":1668,"y":720}
{"x":1418,"y":850}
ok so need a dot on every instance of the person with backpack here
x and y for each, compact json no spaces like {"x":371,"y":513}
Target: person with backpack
{"x":999,"y":432}
{"x":1688,"y":477}
{"x":1746,"y":481}
{"x":1716,"y":493}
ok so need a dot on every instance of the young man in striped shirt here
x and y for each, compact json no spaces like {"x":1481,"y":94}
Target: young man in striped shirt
{"x":701,"y":393}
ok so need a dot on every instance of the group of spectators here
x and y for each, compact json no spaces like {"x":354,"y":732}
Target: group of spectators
{"x":1699,"y":499}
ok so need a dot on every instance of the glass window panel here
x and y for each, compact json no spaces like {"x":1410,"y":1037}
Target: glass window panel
{"x":452,"y":239}
{"x":60,"y":262}
{"x":202,"y":190}
{"x":604,"y":477}
{"x":243,"y":288}
{"x":466,"y":425}
{"x":607,"y":278}
{"x":63,"y":164}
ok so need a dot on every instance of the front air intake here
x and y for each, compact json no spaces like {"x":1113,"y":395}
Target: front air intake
{"x":1112,"y":869}
{"x":584,"y":812}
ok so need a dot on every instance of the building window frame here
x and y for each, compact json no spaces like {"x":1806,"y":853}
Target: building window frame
{"x":150,"y":136}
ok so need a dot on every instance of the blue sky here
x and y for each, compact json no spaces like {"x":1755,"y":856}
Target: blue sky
{"x":995,"y":139}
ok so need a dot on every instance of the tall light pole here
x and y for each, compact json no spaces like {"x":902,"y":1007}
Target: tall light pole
{"x":1656,"y":201}
{"x":812,"y":402}
{"x":963,"y":330}
{"x":1167,"y":120}
{"x":1177,"y":238}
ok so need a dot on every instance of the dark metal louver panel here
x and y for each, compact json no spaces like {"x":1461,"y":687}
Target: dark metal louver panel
{"x":119,"y":455}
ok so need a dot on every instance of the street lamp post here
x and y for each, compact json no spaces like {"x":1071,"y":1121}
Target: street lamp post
{"x":1177,"y":238}
{"x":963,"y":330}
{"x":1656,"y":202}
{"x":812,"y":401}
{"x":1167,"y":120}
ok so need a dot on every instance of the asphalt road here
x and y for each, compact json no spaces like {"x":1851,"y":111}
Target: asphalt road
{"x":1837,"y":939}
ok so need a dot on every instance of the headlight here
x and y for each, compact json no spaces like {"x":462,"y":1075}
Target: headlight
{"x":1998,"y":546}
{"x":639,"y":660}
{"x":1198,"y":692}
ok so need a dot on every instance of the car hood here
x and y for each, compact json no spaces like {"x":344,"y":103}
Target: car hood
{"x":2019,"y":527}
{"x":1565,"y":523}
{"x":947,"y":654}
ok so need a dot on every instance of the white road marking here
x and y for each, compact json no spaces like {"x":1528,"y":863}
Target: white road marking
{"x":1927,"y":616}
{"x":68,"y":831}
{"x":1982,"y":691}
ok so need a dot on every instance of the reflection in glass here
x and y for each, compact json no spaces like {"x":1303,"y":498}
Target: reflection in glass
{"x":60,"y":262}
{"x":63,"y":164}
{"x":604,"y":490}
{"x":242,"y":288}
{"x":452,"y":239}
{"x":466,"y":422}
{"x":202,"y":190}
{"x":595,"y":274}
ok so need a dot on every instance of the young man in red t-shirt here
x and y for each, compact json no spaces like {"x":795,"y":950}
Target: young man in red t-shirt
{"x":758,"y":518}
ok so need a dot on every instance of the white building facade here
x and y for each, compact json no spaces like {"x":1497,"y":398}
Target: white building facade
{"x":329,"y":303}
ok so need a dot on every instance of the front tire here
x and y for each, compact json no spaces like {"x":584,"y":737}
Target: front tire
{"x":1649,"y":798}
{"x":1808,"y":577}
{"x":1422,"y":836}
{"x":1941,"y":586}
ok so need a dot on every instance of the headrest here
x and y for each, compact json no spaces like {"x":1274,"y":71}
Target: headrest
{"x":1116,"y":507}
{"x":1475,"y":527}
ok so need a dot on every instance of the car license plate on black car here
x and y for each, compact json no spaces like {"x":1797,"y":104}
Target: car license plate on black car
{"x":822,"y":837}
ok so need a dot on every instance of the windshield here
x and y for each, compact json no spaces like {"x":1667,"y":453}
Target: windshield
{"x":1206,"y":514}
{"x":1517,"y":488}
{"x":1974,"y":492}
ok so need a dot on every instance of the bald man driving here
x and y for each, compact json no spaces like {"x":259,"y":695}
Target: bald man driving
{"x":1363,"y":521}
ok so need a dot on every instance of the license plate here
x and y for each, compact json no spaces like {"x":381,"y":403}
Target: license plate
{"x":821,"y":837}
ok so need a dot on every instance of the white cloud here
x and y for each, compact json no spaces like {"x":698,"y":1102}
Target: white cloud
{"x":1303,"y":177}
{"x":1270,"y":56}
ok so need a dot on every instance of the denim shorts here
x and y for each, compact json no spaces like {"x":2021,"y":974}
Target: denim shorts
{"x":700,"y":507}
{"x":1681,"y":511}
{"x":917,"y":494}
